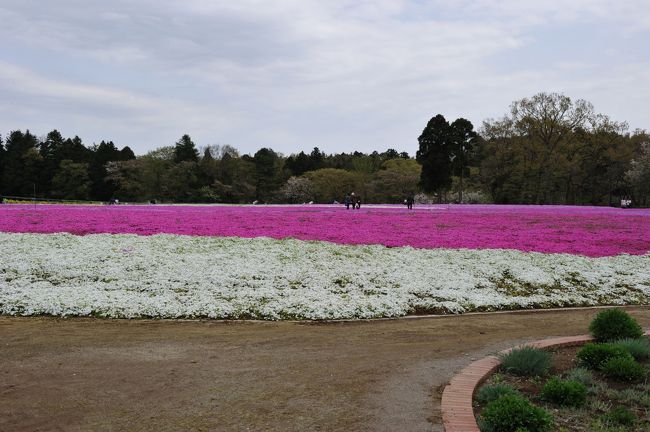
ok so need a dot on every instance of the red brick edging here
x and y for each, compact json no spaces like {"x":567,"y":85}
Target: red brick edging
{"x":456,"y":405}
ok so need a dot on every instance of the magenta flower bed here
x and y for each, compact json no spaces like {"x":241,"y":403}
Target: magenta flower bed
{"x":590,"y":231}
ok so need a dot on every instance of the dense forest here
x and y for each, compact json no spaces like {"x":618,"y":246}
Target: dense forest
{"x":547,"y":149}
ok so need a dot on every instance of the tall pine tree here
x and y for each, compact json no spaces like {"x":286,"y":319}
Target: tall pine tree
{"x":185,"y":150}
{"x":435,"y":156}
{"x":22,"y":164}
{"x":464,"y":138}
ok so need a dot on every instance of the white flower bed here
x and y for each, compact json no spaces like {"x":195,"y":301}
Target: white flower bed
{"x":171,"y":276}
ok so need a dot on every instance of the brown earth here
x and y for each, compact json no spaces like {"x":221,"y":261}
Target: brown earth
{"x":145,"y":375}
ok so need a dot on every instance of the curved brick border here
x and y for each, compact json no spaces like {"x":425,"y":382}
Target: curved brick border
{"x":456,"y":405}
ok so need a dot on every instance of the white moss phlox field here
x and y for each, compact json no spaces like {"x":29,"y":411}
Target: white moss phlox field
{"x":170,"y":276}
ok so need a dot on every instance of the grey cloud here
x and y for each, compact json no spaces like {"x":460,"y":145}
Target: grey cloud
{"x":295,"y":73}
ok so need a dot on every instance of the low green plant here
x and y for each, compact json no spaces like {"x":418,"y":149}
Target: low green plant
{"x":526,"y":361}
{"x":497,"y":378}
{"x":638,"y":348}
{"x":614,"y":324}
{"x":620,"y":416}
{"x":564,"y":393}
{"x":510,"y":413}
{"x":644,"y":401}
{"x":623,"y":369}
{"x":600,"y":425}
{"x":580,"y":374}
{"x":599,"y":405}
{"x":595,"y":355}
{"x":491,"y":392}
{"x":626,"y":396}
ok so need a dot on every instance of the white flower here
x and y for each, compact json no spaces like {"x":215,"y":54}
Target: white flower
{"x":171,"y":276}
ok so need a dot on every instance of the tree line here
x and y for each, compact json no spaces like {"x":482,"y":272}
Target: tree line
{"x":547,"y":149}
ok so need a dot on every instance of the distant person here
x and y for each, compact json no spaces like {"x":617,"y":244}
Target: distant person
{"x":347,"y":200}
{"x":357,"y":202}
{"x":409,"y":202}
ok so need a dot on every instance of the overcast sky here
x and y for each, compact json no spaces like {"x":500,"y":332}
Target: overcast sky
{"x":294,"y":74}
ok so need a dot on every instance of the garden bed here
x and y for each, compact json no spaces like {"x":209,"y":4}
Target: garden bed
{"x":603,"y":396}
{"x":600,"y":386}
{"x":171,"y":276}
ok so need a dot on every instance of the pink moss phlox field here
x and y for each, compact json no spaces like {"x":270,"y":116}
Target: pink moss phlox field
{"x":589,"y":231}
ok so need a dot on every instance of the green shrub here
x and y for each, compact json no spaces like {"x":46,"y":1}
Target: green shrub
{"x":526,"y":361}
{"x":600,"y":425}
{"x":595,"y":355}
{"x":565,"y":393}
{"x":620,"y":416}
{"x":581,"y":375}
{"x":490,"y":392}
{"x":638,"y":348}
{"x":626,"y":396}
{"x":512,"y":412}
{"x":613,"y":324}
{"x":623,"y":369}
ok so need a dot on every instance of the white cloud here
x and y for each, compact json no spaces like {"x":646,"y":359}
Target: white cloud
{"x":338,"y":73}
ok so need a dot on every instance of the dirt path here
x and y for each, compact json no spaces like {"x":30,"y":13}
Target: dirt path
{"x":101,"y":375}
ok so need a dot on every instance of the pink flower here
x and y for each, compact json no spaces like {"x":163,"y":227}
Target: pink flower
{"x":590,"y":231}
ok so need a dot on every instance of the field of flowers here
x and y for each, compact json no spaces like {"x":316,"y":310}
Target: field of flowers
{"x":589,"y":231}
{"x":317,"y":262}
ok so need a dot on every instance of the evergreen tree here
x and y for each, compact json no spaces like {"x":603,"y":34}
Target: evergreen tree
{"x":464,"y":138}
{"x":298,"y":164}
{"x":71,"y":181}
{"x":71,"y":149}
{"x":2,"y":164}
{"x":48,"y":149}
{"x":185,"y":150}
{"x":435,"y":156}
{"x":390,"y":154}
{"x":266,"y":173}
{"x":227,"y":167}
{"x":126,"y":154}
{"x":22,"y":164}
{"x":53,"y":141}
{"x":316,"y":159}
{"x":208,"y":169}
{"x":101,"y":188}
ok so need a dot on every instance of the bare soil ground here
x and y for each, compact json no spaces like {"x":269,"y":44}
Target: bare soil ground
{"x":118,"y":375}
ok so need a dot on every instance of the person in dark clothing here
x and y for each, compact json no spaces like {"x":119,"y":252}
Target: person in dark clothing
{"x":358,"y":202}
{"x":409,"y":202}
{"x":347,"y":201}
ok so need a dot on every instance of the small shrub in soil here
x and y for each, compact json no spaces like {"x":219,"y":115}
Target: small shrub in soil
{"x":595,"y":355}
{"x":620,"y":416}
{"x":526,"y":361}
{"x":626,"y":396}
{"x":623,"y":369}
{"x":510,"y":413}
{"x":638,"y":348}
{"x":580,"y":374}
{"x":491,"y":392}
{"x":614,"y":324}
{"x":564,"y":393}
